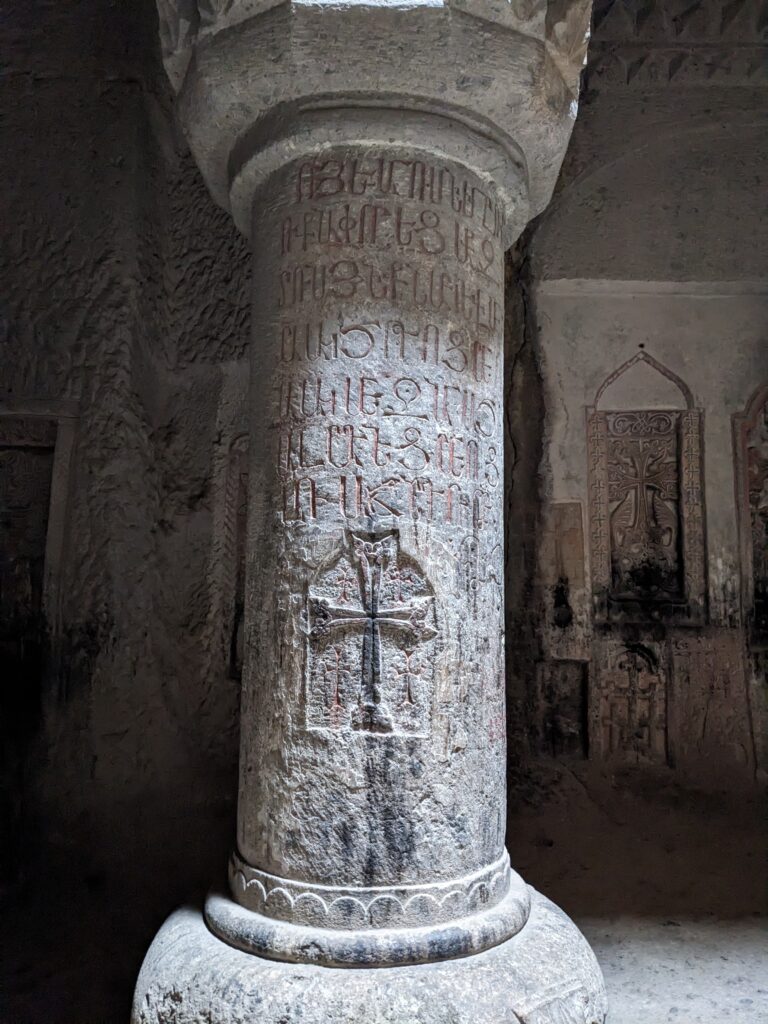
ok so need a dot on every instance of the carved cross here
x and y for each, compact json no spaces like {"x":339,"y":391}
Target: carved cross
{"x":649,"y":471}
{"x":409,"y":621}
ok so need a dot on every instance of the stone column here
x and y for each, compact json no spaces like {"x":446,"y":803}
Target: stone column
{"x":372,"y":787}
{"x":371,"y":813}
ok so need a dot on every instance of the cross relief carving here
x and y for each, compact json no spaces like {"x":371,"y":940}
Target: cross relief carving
{"x":646,"y":515}
{"x":643,"y":496}
{"x":369,"y":615}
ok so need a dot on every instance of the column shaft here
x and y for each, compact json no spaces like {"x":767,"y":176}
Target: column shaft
{"x":372,"y":790}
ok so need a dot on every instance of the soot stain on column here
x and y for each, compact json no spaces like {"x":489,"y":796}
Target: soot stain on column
{"x":392,"y":840}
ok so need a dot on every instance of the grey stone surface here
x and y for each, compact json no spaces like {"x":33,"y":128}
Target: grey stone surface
{"x":371,"y":813}
{"x":668,"y":315}
{"x":683,"y":970}
{"x":372,"y":752}
{"x":125,"y":285}
{"x":258,"y":81}
{"x":546,"y":973}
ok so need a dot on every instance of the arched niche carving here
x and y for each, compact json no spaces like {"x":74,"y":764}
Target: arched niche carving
{"x":676,"y":392}
{"x":751,"y":457}
{"x":646,"y":506}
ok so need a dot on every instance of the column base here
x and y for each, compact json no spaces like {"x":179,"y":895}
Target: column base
{"x":546,"y":974}
{"x":397,"y":943}
{"x":379,"y":926}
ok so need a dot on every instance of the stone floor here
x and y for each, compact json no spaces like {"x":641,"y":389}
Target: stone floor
{"x":667,"y":885}
{"x":687,"y":971}
{"x":670,"y":886}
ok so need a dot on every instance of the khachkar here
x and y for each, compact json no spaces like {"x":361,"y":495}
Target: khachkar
{"x":380,"y":158}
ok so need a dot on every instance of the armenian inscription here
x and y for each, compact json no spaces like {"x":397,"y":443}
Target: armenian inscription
{"x":389,"y":307}
{"x":375,"y":572}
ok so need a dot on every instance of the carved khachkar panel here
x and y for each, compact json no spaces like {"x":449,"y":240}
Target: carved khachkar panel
{"x":646,"y":515}
{"x":629,"y":707}
{"x":752,"y":482}
{"x":371,"y":617}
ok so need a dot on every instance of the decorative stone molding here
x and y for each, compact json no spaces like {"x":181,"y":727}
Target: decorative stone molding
{"x":377,"y":906}
{"x":654,"y":44}
{"x":184,"y":24}
{"x":402,"y":940}
{"x":270,"y":79}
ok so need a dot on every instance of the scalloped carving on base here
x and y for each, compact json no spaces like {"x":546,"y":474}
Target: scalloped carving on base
{"x":368,"y":947}
{"x":406,"y":906}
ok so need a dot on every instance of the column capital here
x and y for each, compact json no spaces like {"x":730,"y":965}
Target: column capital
{"x":492,"y":84}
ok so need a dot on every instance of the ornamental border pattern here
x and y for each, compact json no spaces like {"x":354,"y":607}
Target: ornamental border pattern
{"x":378,"y":907}
{"x":692,"y":512}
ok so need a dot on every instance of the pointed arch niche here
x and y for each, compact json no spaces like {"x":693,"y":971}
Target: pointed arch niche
{"x":646,"y":506}
{"x":751,"y":444}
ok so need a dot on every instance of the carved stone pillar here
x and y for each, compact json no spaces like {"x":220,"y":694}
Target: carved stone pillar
{"x":380,"y":159}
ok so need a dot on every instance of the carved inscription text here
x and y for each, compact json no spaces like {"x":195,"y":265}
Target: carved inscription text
{"x":388,"y":321}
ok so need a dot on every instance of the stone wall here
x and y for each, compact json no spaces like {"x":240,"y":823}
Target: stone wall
{"x":125,"y":321}
{"x":649,"y":298}
{"x":124,"y":317}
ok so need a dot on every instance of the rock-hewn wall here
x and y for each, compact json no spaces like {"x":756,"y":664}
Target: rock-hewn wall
{"x":124,"y":313}
{"x":650,"y":297}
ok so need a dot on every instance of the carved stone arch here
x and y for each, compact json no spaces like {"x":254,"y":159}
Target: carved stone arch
{"x":750,"y":429}
{"x":646,"y":513}
{"x":644,"y":357}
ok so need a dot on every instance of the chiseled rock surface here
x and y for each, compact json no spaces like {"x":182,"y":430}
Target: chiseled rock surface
{"x":546,"y":974}
{"x":372,"y":750}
